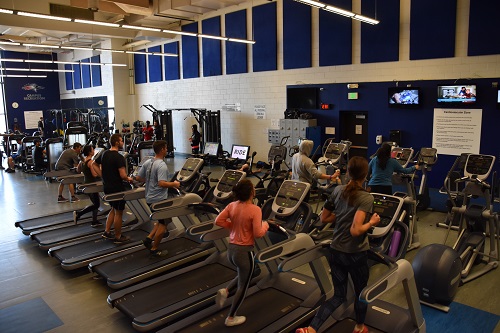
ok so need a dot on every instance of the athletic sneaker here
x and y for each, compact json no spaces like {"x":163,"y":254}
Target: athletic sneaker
{"x":62,"y":199}
{"x":9,"y":170}
{"x":237,"y":320}
{"x":157,"y":253}
{"x":148,"y":242}
{"x":74,"y":199}
{"x":364,"y":330}
{"x":75,"y":217}
{"x":108,"y":235}
{"x":221,"y":297}
{"x":96,"y":224}
{"x":121,"y":240}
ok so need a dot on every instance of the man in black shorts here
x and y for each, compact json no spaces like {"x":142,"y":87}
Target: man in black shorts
{"x":114,"y":173}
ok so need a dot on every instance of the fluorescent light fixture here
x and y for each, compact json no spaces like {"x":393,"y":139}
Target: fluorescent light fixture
{"x":15,"y":75}
{"x":312,"y":3}
{"x":140,"y":28}
{"x":76,"y":48}
{"x":6,"y":11}
{"x":15,"y":69}
{"x":185,"y":33}
{"x":41,"y":45}
{"x":212,"y":37}
{"x":339,"y":11}
{"x":9,"y":43}
{"x":37,"y":70}
{"x":48,"y":17}
{"x":65,"y":62}
{"x":237,"y":40}
{"x":165,"y":54}
{"x":12,"y":60}
{"x":38,"y":61}
{"x":365,"y":19}
{"x":106,"y":24}
{"x":60,"y":62}
{"x":136,"y":52}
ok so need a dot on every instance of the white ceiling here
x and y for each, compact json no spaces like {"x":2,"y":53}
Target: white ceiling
{"x":166,"y":14}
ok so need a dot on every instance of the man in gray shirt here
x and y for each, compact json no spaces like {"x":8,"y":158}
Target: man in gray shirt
{"x":69,"y":159}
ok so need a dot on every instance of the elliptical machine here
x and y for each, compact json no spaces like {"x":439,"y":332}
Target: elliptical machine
{"x":440,"y":269}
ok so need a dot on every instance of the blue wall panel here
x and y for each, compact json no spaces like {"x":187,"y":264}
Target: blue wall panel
{"x":77,"y":76}
{"x":335,"y":35}
{"x":190,"y":53}
{"x":432,"y":29}
{"x":154,"y":65}
{"x":380,"y":42}
{"x":484,"y":35}
{"x":297,"y":35}
{"x":140,"y":70}
{"x":68,"y":77}
{"x":236,"y":53}
{"x":96,"y":71}
{"x":265,"y":35}
{"x":86,"y":81}
{"x":171,"y":63}
{"x":212,"y":54}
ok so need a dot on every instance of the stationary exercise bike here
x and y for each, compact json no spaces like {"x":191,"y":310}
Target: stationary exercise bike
{"x":440,"y":269}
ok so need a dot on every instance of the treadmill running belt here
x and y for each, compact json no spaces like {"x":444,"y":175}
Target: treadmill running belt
{"x":70,"y":232}
{"x":347,"y":325}
{"x":262,"y":308}
{"x":46,"y":221}
{"x":141,"y":261}
{"x":165,"y":293}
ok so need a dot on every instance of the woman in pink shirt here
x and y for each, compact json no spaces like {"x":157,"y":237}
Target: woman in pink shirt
{"x":244,"y":220}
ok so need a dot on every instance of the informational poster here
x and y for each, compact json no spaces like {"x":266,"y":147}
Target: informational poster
{"x":457,"y":131}
{"x":260,"y":111}
{"x":232,"y":107}
{"x":31,"y":119}
{"x":359,"y":129}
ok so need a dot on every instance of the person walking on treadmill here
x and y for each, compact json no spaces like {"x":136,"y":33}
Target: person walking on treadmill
{"x":113,"y":175}
{"x":155,"y":175}
{"x":244,"y":220}
{"x":69,"y":159}
{"x":348,"y":208}
{"x":381,"y":168}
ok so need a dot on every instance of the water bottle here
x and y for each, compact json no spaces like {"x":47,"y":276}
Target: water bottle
{"x":300,"y":223}
{"x":394,"y":247}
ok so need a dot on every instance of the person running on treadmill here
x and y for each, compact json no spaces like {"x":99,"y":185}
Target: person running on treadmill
{"x":244,"y":220}
{"x":69,"y":159}
{"x":155,"y":175}
{"x":113,"y":175}
{"x":91,"y":174}
{"x":381,"y":168}
{"x":348,"y":208}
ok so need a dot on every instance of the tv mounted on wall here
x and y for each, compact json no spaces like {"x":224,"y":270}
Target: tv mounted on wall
{"x":404,"y":96}
{"x":302,"y":98}
{"x":459,"y":94}
{"x":498,"y":99}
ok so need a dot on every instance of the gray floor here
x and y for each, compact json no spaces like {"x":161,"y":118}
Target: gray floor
{"x":79,"y":300}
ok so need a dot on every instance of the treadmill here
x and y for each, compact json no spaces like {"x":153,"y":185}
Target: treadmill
{"x":55,"y":220}
{"x":135,"y":265}
{"x":187,"y":289}
{"x":81,"y":252}
{"x":70,"y":232}
{"x":284,"y":298}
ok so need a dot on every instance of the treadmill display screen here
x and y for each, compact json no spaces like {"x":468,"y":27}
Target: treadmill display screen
{"x":189,"y":167}
{"x":146,"y":152}
{"x":228,"y":180}
{"x":479,"y":165}
{"x":289,"y":194}
{"x":334,"y":150}
{"x":385,"y":207}
{"x":402,"y":155}
{"x":73,"y":138}
{"x":211,"y":148}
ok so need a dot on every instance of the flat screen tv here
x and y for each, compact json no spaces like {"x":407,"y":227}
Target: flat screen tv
{"x":302,"y":98}
{"x":459,"y":94}
{"x":211,"y":148}
{"x":403,"y":96}
{"x":240,"y":152}
{"x":498,"y":100}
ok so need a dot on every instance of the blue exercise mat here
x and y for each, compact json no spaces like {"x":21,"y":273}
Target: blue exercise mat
{"x":32,"y":316}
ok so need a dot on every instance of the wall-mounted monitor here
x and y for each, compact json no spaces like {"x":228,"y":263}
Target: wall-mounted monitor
{"x":211,"y":148}
{"x":240,"y":152}
{"x":498,"y":99}
{"x":403,"y":96}
{"x":458,"y":94}
{"x":302,"y":98}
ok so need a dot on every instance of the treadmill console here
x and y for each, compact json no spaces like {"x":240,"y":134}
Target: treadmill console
{"x":388,"y":207}
{"x":189,"y":169}
{"x":402,"y":155}
{"x":225,"y":185}
{"x":289,"y":197}
{"x":278,"y":152}
{"x":479,"y":165}
{"x":428,"y":156}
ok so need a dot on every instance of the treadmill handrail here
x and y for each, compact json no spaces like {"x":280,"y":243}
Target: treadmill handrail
{"x":71,"y":179}
{"x":303,"y":257}
{"x":201,"y":228}
{"x":134,"y":194}
{"x":296,"y":243}
{"x":173,"y":207}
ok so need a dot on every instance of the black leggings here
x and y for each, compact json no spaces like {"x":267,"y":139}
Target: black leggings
{"x":96,"y":203}
{"x":243,"y":259}
{"x":341,"y":265}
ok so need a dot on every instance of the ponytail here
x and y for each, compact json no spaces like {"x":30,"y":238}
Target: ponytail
{"x":357,"y":169}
